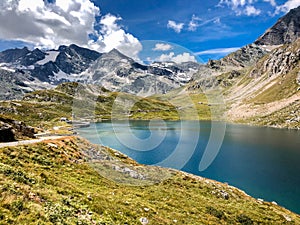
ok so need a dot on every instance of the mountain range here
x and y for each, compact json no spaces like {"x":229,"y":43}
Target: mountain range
{"x":23,"y":71}
{"x":259,"y":82}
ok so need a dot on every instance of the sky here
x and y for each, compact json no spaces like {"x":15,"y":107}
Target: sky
{"x":147,"y":31}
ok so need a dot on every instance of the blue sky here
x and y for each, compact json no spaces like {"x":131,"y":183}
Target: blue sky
{"x":209,"y":29}
{"x":219,"y":26}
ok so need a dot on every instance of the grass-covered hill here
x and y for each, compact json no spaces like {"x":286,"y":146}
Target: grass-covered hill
{"x":44,"y":108}
{"x":65,"y":182}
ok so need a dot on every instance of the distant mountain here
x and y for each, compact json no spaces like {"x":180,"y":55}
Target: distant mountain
{"x":49,"y":66}
{"x":23,"y":70}
{"x":21,"y":57}
{"x":113,"y":70}
{"x":286,"y":30}
{"x":117,"y":72}
{"x":59,"y":64}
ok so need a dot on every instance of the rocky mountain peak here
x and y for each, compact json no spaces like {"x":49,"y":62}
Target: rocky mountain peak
{"x":12,"y":55}
{"x":116,"y":54}
{"x":286,"y":30}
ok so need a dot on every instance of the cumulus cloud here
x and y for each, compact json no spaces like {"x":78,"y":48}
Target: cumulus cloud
{"x":47,"y":24}
{"x":180,"y":58}
{"x":113,"y":36}
{"x":241,"y":7}
{"x":62,"y":22}
{"x":162,"y":47}
{"x":290,"y":4}
{"x":177,"y":27}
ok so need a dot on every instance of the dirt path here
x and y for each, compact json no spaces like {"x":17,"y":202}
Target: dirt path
{"x":25,"y":142}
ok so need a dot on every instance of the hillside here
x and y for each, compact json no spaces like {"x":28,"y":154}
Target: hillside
{"x":269,"y":94}
{"x":45,"y":108}
{"x":63,"y":181}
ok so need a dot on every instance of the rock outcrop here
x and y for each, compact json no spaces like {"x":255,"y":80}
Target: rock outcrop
{"x":245,"y":57}
{"x":6,"y":132}
{"x":280,"y":61}
{"x":286,"y":30}
{"x":11,"y":130}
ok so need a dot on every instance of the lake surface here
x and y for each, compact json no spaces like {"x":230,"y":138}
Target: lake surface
{"x":264,"y":162}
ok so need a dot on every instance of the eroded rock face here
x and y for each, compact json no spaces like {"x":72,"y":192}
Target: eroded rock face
{"x":244,"y":57}
{"x":11,"y":130}
{"x":280,"y":62}
{"x":286,"y":30}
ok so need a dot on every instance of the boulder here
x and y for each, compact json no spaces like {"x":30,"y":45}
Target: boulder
{"x":6,"y":133}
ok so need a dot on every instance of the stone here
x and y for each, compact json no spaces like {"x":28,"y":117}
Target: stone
{"x":144,"y":221}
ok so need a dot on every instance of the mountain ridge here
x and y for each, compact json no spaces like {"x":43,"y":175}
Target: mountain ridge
{"x":286,"y":30}
{"x":113,"y":69}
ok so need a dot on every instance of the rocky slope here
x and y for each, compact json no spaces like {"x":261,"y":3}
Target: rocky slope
{"x":245,"y":57}
{"x":259,"y":82}
{"x":269,"y":93}
{"x":14,"y":84}
{"x":286,"y":30}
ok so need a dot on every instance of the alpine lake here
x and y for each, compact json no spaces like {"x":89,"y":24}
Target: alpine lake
{"x":262,"y":161}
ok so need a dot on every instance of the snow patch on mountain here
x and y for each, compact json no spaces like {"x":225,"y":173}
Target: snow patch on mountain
{"x":51,"y":56}
{"x":4,"y":67}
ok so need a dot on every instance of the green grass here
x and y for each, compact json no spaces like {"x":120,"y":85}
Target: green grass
{"x":44,"y":108}
{"x":61,"y":182}
{"x":285,"y":87}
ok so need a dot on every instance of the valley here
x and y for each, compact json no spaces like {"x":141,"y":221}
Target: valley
{"x":55,"y":176}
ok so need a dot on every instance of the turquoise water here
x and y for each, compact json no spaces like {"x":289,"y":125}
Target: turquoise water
{"x":264,"y":162}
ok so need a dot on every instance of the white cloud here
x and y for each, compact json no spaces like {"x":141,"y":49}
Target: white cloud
{"x":290,"y":4}
{"x":217,"y":21}
{"x":241,"y":7}
{"x":180,"y":58}
{"x":63,"y":22}
{"x":193,"y":24}
{"x":218,"y":51}
{"x":233,"y":3}
{"x":196,"y":22}
{"x":162,"y":47}
{"x":272,"y":2}
{"x":113,"y":36}
{"x":252,"y":11}
{"x":47,"y":24}
{"x":177,"y":27}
